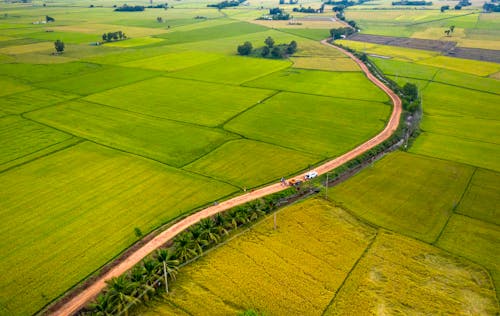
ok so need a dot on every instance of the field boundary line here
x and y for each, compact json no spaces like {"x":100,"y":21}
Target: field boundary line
{"x":78,"y":301}
{"x":351,"y":270}
{"x":453,"y":209}
{"x":453,"y":161}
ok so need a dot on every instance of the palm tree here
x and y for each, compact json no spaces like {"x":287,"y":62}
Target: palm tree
{"x":169,"y":264}
{"x":152,"y":271}
{"x":184,"y":247}
{"x":209,"y":230}
{"x":101,"y":306}
{"x":143,"y":278}
{"x":122,"y":294}
{"x":198,"y":239}
{"x":222,"y":223}
{"x":255,"y":210}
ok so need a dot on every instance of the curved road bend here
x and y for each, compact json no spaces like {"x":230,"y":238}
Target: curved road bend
{"x":95,"y":288}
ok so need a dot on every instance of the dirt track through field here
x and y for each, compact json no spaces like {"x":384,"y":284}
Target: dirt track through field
{"x":82,"y":298}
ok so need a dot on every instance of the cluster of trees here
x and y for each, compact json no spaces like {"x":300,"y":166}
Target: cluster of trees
{"x":290,"y":1}
{"x":412,"y":3}
{"x":491,"y":7}
{"x":269,"y":50}
{"x":226,"y":3}
{"x":126,"y":8}
{"x":158,"y":6}
{"x":309,"y":9}
{"x":276,"y":14}
{"x":449,"y":31}
{"x":113,"y":36}
{"x":153,"y":275}
{"x":341,"y":32}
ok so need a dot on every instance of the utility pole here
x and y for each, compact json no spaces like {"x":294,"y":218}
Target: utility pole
{"x":326,"y":187}
{"x":274,"y":220}
{"x":165,"y":272}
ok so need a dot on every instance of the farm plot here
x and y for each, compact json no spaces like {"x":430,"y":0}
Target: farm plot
{"x":173,"y":61}
{"x":319,"y":125}
{"x":293,"y":270}
{"x":398,"y":53}
{"x":31,"y":100}
{"x":99,"y":29}
{"x":10,"y":86}
{"x":232,"y":69}
{"x":248,"y":163}
{"x":399,"y":275}
{"x":325,"y":63}
{"x":135,"y":42}
{"x":482,"y":197}
{"x":343,"y":84}
{"x":88,"y":196}
{"x":447,"y":100}
{"x":66,"y":37}
{"x":480,"y":154}
{"x":409,"y":194}
{"x":20,"y":137}
{"x":46,"y":73}
{"x":108,"y":78}
{"x":475,"y":240}
{"x":473,"y":67}
{"x":211,"y":32}
{"x":212,"y":104}
{"x":467,"y":81}
{"x":405,"y":69}
{"x":163,"y":140}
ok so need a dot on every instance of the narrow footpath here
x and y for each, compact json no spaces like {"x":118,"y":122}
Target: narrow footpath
{"x":80,"y":300}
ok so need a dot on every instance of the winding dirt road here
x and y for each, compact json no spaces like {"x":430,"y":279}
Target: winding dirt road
{"x":93,"y":290}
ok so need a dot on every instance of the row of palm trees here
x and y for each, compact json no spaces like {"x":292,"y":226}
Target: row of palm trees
{"x":152,"y":276}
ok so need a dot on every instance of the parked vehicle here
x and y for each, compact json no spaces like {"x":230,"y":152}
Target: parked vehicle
{"x":310,"y":175}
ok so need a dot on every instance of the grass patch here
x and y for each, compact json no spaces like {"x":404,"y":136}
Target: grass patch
{"x":172,"y":143}
{"x":20,"y":137}
{"x":260,"y":269}
{"x":399,"y":275}
{"x":232,"y":69}
{"x":475,"y":240}
{"x":100,"y":193}
{"x":482,"y":197}
{"x":406,"y":193}
{"x":326,"y":126}
{"x":248,"y":163}
{"x":311,"y":33}
{"x":344,"y":84}
{"x":99,"y":81}
{"x":467,"y":81}
{"x":480,"y":154}
{"x":28,"y":48}
{"x":212,"y":104}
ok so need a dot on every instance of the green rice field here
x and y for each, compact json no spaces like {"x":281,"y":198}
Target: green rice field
{"x":107,"y":139}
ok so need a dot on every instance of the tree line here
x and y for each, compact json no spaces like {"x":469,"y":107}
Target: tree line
{"x":279,"y":51}
{"x":126,"y":8}
{"x":226,"y":3}
{"x":152,"y":276}
{"x":341,"y":32}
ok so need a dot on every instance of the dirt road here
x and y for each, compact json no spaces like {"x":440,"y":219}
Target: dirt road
{"x":93,"y":290}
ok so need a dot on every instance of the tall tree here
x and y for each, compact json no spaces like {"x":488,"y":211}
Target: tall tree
{"x":184,"y":249}
{"x":269,"y":42}
{"x":122,"y":293}
{"x":59,"y":46}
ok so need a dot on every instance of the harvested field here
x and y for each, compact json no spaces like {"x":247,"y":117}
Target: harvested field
{"x":448,"y":48}
{"x":399,"y":275}
{"x":475,"y":240}
{"x":293,"y":270}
